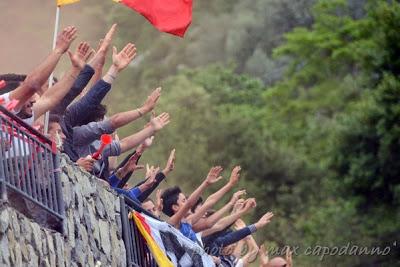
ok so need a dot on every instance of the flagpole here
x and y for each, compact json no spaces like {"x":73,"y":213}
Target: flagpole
{"x":56,"y":26}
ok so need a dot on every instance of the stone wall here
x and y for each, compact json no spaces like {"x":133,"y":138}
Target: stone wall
{"x":92,"y":228}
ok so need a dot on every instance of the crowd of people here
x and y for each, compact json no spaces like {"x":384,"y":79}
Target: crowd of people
{"x":78,"y":120}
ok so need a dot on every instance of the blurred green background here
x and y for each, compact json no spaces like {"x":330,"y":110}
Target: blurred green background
{"x":303,"y":94}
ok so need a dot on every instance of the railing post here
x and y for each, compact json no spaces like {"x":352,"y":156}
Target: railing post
{"x":125,"y":230}
{"x":3,"y":189}
{"x":57,"y":176}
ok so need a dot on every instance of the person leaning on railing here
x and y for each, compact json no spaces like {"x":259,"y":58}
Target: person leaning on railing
{"x":56,"y":134}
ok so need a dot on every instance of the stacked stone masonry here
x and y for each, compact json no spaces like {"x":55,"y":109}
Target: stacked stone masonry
{"x":92,"y":228}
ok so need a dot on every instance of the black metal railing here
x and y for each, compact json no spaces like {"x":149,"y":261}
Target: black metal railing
{"x":137,"y":251}
{"x":29,"y":167}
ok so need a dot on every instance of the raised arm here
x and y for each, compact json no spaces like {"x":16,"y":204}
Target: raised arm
{"x":120,"y":61}
{"x":41,"y":73}
{"x":121,"y":119}
{"x":252,"y":246}
{"x":214,"y":198}
{"x":159,"y":177}
{"x":99,"y":59}
{"x":53,"y":96}
{"x":129,"y":167}
{"x":91,"y":72}
{"x":75,"y":114}
{"x":212,"y":177}
{"x":134,"y":140}
{"x":230,"y":219}
{"x":205,"y":223}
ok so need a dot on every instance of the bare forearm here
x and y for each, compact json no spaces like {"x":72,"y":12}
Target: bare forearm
{"x":175,"y":220}
{"x":123,"y":118}
{"x":211,"y":201}
{"x":237,"y":252}
{"x":223,"y":223}
{"x":213,"y":219}
{"x":36,"y":78}
{"x":253,"y":250}
{"x":42,"y":72}
{"x":53,"y":96}
{"x":214,"y":198}
{"x":136,"y":139}
{"x":205,"y":223}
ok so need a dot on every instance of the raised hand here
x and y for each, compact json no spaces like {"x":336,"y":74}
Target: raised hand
{"x":236,"y":196}
{"x":131,"y":164}
{"x":264,"y":220}
{"x":81,"y":55}
{"x":99,"y":58}
{"x":238,"y":205}
{"x":86,"y":163}
{"x":65,"y":38}
{"x":160,"y":121}
{"x":170,"y":163}
{"x":148,"y":142}
{"x":234,"y":179}
{"x":105,"y":43}
{"x":249,"y":204}
{"x":214,"y":175}
{"x":122,"y":59}
{"x":151,"y":101}
{"x":151,"y":178}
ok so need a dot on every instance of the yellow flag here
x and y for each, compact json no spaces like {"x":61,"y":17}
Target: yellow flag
{"x":160,"y":257}
{"x":66,"y":2}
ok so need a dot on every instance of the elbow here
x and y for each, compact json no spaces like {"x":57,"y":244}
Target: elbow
{"x":124,"y":146}
{"x":115,"y":121}
{"x":33,"y":85}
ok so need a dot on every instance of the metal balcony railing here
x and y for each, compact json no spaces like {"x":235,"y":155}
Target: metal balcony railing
{"x":29,"y":166}
{"x":137,"y":252}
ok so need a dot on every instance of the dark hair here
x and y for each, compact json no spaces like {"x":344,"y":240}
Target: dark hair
{"x":198,"y":202}
{"x":95,"y":114}
{"x":170,"y":197}
{"x":12,"y":81}
{"x":53,"y":118}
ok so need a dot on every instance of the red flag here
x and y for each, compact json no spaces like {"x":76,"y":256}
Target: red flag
{"x":172,"y":16}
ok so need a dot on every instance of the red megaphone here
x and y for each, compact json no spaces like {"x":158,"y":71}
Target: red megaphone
{"x":106,"y":139}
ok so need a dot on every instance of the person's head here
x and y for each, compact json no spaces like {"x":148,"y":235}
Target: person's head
{"x":149,"y":206}
{"x":173,"y":200}
{"x":12,"y":81}
{"x":95,"y":114}
{"x":277,"y":262}
{"x":198,"y":205}
{"x":26,"y":109}
{"x":55,"y":132}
